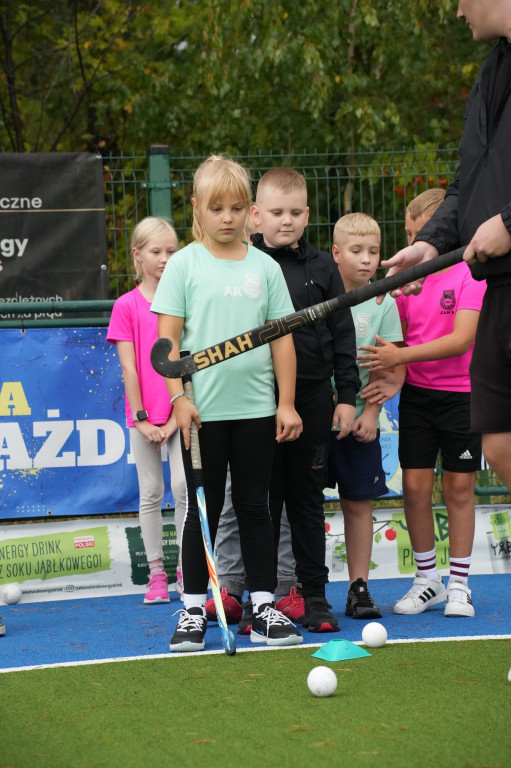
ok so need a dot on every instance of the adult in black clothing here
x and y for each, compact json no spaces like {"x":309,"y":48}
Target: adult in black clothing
{"x":477,"y":213}
{"x":324,"y":350}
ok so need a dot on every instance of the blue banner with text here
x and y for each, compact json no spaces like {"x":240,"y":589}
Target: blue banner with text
{"x":64,"y":444}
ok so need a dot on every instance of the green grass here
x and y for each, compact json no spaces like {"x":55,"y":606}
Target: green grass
{"x":444,"y":705}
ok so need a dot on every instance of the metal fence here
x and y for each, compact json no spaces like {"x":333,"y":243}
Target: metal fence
{"x":380,"y":184}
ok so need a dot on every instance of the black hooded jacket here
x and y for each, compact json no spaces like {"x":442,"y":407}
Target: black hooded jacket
{"x":482,"y":185}
{"x":327,"y":347}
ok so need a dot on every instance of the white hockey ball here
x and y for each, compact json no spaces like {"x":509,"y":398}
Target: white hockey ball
{"x":322,"y":681}
{"x":374,"y":635}
{"x":11,"y":594}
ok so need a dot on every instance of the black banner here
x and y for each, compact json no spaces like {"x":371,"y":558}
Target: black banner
{"x":53,"y":244}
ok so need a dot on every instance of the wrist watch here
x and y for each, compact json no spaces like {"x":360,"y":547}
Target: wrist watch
{"x":140,"y":416}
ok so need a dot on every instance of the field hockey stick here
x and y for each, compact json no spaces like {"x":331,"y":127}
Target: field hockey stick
{"x":228,"y":641}
{"x":274,"y":329}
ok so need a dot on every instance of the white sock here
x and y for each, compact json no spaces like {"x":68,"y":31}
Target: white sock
{"x":195,"y":601}
{"x":261,"y":598}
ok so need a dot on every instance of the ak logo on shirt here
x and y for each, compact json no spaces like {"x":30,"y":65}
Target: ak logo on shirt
{"x":448,"y":302}
{"x":251,"y":287}
{"x":362,"y":323}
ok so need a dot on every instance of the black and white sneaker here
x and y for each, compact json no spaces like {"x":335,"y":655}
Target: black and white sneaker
{"x":360,"y":604}
{"x":190,"y":631}
{"x":318,"y":616}
{"x":273,"y":628}
{"x":2,"y":627}
{"x":424,"y":594}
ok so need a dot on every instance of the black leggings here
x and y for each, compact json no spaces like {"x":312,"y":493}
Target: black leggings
{"x":247,"y":447}
{"x":299,"y":475}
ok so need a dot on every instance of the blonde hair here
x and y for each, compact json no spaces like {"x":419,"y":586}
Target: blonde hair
{"x":216,"y":177}
{"x":426,"y":203}
{"x":284,"y":180}
{"x":147,"y":229}
{"x":355,"y":224}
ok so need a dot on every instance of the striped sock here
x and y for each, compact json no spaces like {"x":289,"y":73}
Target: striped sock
{"x":426,"y":564}
{"x":458,"y":569}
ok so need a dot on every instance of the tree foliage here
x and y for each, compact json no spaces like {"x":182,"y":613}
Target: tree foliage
{"x":232,"y":75}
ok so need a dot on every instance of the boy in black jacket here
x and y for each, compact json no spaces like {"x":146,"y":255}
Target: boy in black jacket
{"x":323,"y":349}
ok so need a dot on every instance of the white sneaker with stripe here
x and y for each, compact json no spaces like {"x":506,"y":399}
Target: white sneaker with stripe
{"x":423,"y":594}
{"x":459,"y":601}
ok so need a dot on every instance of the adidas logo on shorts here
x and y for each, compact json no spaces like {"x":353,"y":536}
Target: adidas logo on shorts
{"x":465,"y":455}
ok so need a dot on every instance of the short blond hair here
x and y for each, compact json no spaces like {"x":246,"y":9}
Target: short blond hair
{"x":284,"y":180}
{"x":147,"y":229}
{"x":355,"y":224}
{"x":217,"y":176}
{"x":426,"y":203}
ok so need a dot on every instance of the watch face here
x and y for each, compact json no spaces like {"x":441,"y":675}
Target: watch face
{"x":140,"y":416}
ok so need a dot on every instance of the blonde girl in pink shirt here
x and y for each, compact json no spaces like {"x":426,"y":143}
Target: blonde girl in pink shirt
{"x":149,"y":414}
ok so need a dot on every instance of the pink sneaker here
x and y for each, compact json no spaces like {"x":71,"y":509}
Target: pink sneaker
{"x":232,"y":608}
{"x":157,"y":589}
{"x":292,"y":606}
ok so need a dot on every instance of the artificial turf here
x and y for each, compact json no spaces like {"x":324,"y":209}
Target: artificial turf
{"x":411,"y":705}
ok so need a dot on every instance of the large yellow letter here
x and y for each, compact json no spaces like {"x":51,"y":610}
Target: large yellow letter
{"x":12,"y":400}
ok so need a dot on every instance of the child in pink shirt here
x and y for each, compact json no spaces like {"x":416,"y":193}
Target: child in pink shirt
{"x":439,"y":328}
{"x":134,"y":329}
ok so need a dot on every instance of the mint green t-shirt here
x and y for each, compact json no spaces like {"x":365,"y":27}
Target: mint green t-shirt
{"x":219,"y":299}
{"x":372,"y":319}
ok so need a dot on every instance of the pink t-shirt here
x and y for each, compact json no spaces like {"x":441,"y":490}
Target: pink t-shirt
{"x":132,"y":320}
{"x":431,"y":315}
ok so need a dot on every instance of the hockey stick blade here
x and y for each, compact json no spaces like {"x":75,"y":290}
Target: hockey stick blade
{"x":274,"y":329}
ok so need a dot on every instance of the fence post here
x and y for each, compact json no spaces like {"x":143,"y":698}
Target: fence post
{"x":159,"y":185}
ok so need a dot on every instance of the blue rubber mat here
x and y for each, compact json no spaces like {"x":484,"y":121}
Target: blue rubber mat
{"x":112,"y":628}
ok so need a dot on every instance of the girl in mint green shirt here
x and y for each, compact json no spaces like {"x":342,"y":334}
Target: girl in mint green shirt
{"x":216,"y":288}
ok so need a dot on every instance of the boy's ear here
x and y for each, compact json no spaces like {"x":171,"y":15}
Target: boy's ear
{"x":254,"y":212}
{"x":336,"y":253}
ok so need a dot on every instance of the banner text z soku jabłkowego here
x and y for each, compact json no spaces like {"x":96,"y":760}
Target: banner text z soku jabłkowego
{"x":52,"y":228}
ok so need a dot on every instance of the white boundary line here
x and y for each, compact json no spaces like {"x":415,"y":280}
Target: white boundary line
{"x":197,"y":654}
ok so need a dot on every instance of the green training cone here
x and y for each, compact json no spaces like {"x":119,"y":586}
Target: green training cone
{"x":340,"y":650}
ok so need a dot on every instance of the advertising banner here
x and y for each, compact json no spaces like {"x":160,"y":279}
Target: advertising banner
{"x":53,"y":243}
{"x":64,"y":444}
{"x":100,"y":557}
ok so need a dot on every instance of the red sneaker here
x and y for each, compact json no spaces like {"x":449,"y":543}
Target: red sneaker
{"x":292,"y":606}
{"x":232,"y":608}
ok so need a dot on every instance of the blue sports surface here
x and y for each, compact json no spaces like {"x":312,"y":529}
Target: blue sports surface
{"x":122,"y":627}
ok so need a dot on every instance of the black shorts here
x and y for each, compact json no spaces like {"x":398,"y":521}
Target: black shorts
{"x":356,"y":468}
{"x":432,"y":420}
{"x":490,"y":369}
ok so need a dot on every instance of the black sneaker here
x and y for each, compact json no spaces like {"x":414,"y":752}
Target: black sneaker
{"x":360,"y":604}
{"x":273,"y":628}
{"x":190,"y":631}
{"x":318,"y":617}
{"x":246,"y":621}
